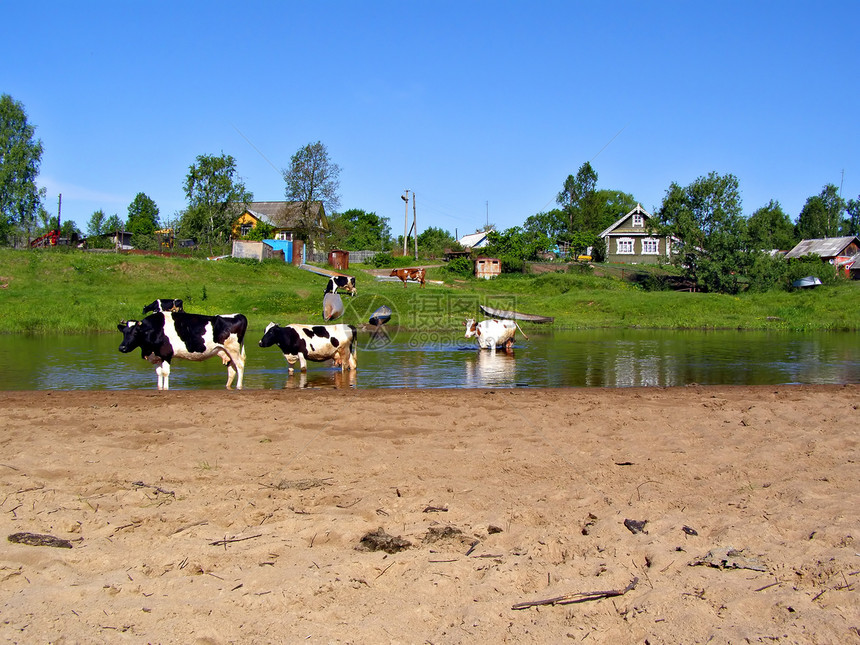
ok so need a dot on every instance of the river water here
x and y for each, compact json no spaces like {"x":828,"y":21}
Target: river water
{"x":593,"y":358}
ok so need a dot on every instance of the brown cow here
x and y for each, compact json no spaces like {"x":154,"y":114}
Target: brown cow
{"x":411,"y":273}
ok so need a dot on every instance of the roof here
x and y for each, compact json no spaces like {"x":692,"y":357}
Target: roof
{"x":285,"y":215}
{"x":474,"y":240}
{"x":828,"y":247}
{"x":624,"y":218}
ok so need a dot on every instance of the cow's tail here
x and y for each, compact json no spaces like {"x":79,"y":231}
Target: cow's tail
{"x":521,"y":331}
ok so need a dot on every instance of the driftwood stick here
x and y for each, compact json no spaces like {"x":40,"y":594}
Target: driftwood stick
{"x":155,"y":488}
{"x":578,"y":597}
{"x":227,"y":541}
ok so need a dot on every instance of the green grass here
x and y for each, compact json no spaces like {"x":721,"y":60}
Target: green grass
{"x":50,"y":291}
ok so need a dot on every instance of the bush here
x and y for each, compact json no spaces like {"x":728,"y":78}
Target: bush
{"x":461,"y":266}
{"x":388,"y":261}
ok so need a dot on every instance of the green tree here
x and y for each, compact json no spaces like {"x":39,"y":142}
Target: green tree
{"x":20,"y":159}
{"x":96,"y":223}
{"x":770,"y":228}
{"x":113,"y":224}
{"x":705,"y":217}
{"x":215,"y":196}
{"x":851,"y":225}
{"x":433,"y":242}
{"x":577,"y":198}
{"x":551,"y":224}
{"x":609,"y":206}
{"x":821,"y":216}
{"x":312,"y":177}
{"x":142,"y":216}
{"x":359,"y":230}
{"x":516,"y":246}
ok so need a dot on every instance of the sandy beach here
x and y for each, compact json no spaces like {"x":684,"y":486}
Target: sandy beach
{"x":641,"y":515}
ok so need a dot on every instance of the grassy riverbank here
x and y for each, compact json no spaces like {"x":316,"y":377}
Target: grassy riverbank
{"x":50,"y":291}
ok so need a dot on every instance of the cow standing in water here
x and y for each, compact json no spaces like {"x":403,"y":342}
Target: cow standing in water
{"x":313,"y":343}
{"x":164,"y":336}
{"x":410,"y":274}
{"x":493,"y":333}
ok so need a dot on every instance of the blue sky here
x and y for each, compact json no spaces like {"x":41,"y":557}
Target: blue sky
{"x":481,"y":109}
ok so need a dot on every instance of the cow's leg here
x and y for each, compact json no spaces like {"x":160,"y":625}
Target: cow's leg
{"x":235,"y":367}
{"x":352,"y":363}
{"x":303,"y":363}
{"x":163,"y":372}
{"x":240,"y":371}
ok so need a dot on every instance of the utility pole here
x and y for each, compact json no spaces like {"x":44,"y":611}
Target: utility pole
{"x":405,"y":220}
{"x":415,"y":225}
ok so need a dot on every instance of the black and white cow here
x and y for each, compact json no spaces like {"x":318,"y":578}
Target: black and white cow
{"x":345,"y":282}
{"x":163,"y":304}
{"x":314,"y":343}
{"x":164,"y":336}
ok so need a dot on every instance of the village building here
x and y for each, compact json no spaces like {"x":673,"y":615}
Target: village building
{"x":630,"y":240}
{"x":286,"y":218}
{"x":842,"y":252}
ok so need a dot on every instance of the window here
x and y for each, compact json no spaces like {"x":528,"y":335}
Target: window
{"x":284,"y":235}
{"x":638,"y":220}
{"x":246,"y":228}
{"x":650,"y":246}
{"x":624,"y":246}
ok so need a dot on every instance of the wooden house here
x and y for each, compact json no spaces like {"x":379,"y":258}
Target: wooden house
{"x":630,"y":240}
{"x":286,"y":218}
{"x":839,"y":251}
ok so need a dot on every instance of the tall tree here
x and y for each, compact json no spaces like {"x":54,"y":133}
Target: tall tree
{"x":821,"y":215}
{"x":20,"y":159}
{"x":215,"y":196}
{"x":770,"y":228}
{"x":551,"y":224}
{"x":577,"y":197}
{"x":705,"y":217}
{"x":142,"y":216}
{"x":851,"y":225}
{"x":312,"y":177}
{"x":96,"y":223}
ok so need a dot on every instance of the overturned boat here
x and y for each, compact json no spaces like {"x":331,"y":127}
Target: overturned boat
{"x":806,"y":283}
{"x":515,"y":315}
{"x":380,"y":316}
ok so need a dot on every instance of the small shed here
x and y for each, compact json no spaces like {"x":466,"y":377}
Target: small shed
{"x":338,"y":259}
{"x":487,"y":268}
{"x":255,"y":250}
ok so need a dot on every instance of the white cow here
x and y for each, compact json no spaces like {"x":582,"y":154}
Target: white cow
{"x":493,"y":333}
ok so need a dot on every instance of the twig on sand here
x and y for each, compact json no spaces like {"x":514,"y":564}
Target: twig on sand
{"x":227,"y":541}
{"x":157,"y":489}
{"x":578,"y":597}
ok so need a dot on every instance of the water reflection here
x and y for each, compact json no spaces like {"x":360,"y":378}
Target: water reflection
{"x":491,"y":368}
{"x":594,"y":358}
{"x":323,"y":379}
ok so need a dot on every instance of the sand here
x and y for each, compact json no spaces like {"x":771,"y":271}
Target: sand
{"x":238,"y":517}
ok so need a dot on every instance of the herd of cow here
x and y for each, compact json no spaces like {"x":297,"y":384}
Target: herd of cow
{"x":170,"y":332}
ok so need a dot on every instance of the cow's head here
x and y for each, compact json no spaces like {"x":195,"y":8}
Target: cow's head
{"x":350,"y":285}
{"x":471,"y":327}
{"x":131,"y":335}
{"x":270,"y":336}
